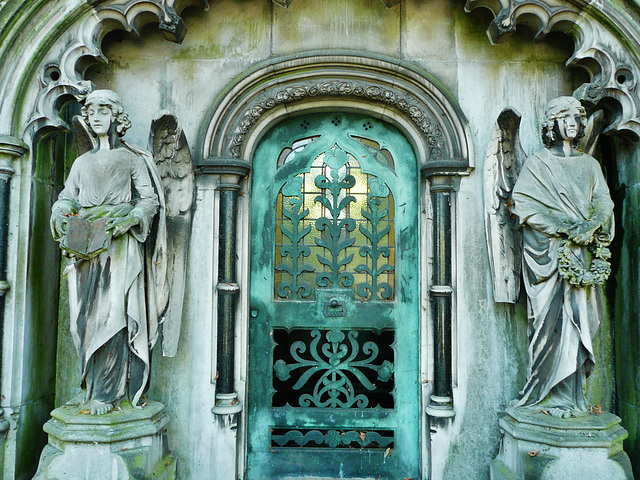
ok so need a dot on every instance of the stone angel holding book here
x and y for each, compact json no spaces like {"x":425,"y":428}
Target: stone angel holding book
{"x":126,"y":230}
{"x":551,"y":217}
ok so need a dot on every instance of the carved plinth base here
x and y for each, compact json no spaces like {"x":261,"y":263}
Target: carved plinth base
{"x":538,"y":446}
{"x":127,"y":444}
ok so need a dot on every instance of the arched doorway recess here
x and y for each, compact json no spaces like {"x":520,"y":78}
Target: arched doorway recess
{"x":356,"y":92}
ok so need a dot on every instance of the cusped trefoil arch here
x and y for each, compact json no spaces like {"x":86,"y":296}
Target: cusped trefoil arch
{"x":60,"y":50}
{"x":607,"y":46}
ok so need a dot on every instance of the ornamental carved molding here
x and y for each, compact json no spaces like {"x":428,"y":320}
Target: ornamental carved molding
{"x":380,"y":86}
{"x":57,"y":50}
{"x":425,"y":122}
{"x":606,"y":39}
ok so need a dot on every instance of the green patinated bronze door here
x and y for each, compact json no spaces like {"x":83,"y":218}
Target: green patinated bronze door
{"x":333,"y":340}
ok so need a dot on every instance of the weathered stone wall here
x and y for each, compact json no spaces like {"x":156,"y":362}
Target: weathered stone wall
{"x":490,"y":341}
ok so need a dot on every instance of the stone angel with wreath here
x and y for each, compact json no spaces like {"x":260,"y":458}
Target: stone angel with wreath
{"x":124,"y":220}
{"x":551,"y":218}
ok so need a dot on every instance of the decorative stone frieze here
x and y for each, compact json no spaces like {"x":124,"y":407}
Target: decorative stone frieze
{"x":427,"y":124}
{"x":607,"y":41}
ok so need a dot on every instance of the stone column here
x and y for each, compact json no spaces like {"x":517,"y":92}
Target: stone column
{"x":441,"y":294}
{"x":227,"y":404}
{"x":231,"y":171}
{"x":10,"y":149}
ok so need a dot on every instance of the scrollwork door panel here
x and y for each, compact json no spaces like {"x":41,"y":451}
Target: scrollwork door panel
{"x":333,"y":367}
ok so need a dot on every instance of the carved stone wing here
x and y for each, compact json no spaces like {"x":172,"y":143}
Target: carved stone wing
{"x":504,"y":242}
{"x":85,"y":141}
{"x":175,"y":165}
{"x":592,"y":132}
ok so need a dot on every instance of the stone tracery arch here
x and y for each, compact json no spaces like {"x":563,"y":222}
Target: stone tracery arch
{"x":606,"y":42}
{"x":59,"y":48}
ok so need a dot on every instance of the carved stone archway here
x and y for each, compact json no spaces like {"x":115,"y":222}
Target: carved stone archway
{"x":606,"y":39}
{"x":400,"y":94}
{"x":59,"y":49}
{"x":409,"y":97}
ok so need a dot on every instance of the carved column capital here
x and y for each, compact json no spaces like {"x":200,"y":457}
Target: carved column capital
{"x":441,"y":174}
{"x":230,"y":169}
{"x":10,"y":148}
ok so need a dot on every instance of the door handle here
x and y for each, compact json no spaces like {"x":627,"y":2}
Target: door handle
{"x":335,"y":308}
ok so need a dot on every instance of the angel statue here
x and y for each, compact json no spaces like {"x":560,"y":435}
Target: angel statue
{"x":124,"y":222}
{"x":552,"y":216}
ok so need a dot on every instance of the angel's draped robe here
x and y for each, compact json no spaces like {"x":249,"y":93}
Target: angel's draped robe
{"x":550,"y":194}
{"x":109,"y":314}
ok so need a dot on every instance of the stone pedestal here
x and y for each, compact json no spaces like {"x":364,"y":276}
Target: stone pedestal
{"x":536,"y":446}
{"x":126,"y":444}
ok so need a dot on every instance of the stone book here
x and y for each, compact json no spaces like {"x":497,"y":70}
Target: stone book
{"x":86,"y":238}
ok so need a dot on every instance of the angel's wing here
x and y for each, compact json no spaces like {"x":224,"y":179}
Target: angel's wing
{"x":175,"y":165}
{"x":85,"y":141}
{"x":592,"y":132}
{"x":504,"y":242}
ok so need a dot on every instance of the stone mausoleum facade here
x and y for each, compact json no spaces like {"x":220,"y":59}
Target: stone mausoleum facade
{"x":361,"y":343}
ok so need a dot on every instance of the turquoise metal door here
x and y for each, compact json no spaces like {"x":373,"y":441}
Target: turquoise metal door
{"x":333,"y":336}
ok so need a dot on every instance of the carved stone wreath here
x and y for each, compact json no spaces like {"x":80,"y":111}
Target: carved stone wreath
{"x":427,"y":125}
{"x":574,"y":271}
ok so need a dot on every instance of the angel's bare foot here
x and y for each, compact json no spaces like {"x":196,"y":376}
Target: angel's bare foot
{"x":99,"y":408}
{"x":560,"y":412}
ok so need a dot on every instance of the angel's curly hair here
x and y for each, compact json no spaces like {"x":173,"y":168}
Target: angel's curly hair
{"x":555,"y":108}
{"x":110,"y":99}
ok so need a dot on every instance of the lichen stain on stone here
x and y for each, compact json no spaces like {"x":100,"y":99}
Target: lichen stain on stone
{"x":237,"y":29}
{"x":226,"y":422}
{"x":357,"y":24}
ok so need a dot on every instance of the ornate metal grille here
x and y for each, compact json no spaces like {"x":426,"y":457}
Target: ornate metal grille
{"x":333,"y":368}
{"x":333,"y":290}
{"x":344,"y":438}
{"x":335,"y":228}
